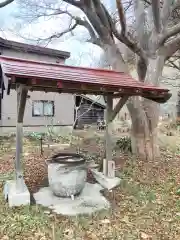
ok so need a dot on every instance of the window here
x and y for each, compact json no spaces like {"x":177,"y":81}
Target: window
{"x":43,"y":108}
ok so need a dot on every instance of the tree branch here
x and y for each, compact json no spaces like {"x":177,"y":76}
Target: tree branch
{"x":156,"y":14}
{"x":6,"y":2}
{"x":55,"y":13}
{"x":170,"y":32}
{"x":93,"y":37}
{"x":121,"y":17}
{"x":171,"y":47}
{"x":172,"y":64}
{"x":58,"y":35}
{"x":100,"y":10}
{"x":91,"y":13}
{"x":78,"y":22}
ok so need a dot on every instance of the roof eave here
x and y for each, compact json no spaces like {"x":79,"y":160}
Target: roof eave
{"x":160,"y":98}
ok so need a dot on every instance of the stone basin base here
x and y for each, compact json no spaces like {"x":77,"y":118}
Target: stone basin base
{"x":89,"y":201}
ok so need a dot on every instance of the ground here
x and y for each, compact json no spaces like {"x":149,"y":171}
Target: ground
{"x":145,"y":206}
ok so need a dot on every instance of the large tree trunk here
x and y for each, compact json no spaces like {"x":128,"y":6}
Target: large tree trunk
{"x":144,"y":129}
{"x":144,"y":113}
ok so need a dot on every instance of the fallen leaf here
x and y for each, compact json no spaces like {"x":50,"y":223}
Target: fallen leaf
{"x":145,"y":236}
{"x":5,"y":238}
{"x":105,"y":221}
{"x":125,"y":219}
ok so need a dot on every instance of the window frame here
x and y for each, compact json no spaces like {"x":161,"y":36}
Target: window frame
{"x":43,"y":103}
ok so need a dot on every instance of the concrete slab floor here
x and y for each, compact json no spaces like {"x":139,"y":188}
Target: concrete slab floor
{"x":89,"y":201}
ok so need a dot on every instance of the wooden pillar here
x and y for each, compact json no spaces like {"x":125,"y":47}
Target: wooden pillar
{"x":109,"y":109}
{"x":110,"y":115}
{"x":21,"y":103}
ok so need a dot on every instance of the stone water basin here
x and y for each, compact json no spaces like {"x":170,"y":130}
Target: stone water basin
{"x":67,"y":174}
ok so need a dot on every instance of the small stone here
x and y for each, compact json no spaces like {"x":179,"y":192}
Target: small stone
{"x":46,"y":212}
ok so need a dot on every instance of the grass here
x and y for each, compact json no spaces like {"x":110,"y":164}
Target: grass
{"x":144,"y":206}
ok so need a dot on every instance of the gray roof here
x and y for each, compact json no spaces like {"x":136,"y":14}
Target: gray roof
{"x":24,"y":47}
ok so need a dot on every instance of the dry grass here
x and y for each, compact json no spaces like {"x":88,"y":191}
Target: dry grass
{"x":145,"y":206}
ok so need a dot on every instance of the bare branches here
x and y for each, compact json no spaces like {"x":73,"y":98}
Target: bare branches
{"x":55,"y":12}
{"x":156,"y":14}
{"x":133,"y":46}
{"x":5,"y":3}
{"x":121,"y":17}
{"x":58,"y":35}
{"x":77,"y":22}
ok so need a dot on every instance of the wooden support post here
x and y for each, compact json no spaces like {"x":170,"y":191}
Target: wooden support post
{"x":109,"y":109}
{"x":21,"y":102}
{"x":110,"y":115}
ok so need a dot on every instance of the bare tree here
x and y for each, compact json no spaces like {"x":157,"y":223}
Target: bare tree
{"x":154,"y":41}
{"x":5,"y":3}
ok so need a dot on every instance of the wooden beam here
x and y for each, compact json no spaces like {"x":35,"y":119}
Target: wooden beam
{"x":118,"y":107}
{"x":21,"y":102}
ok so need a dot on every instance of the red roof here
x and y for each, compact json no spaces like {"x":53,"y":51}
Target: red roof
{"x":47,"y":71}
